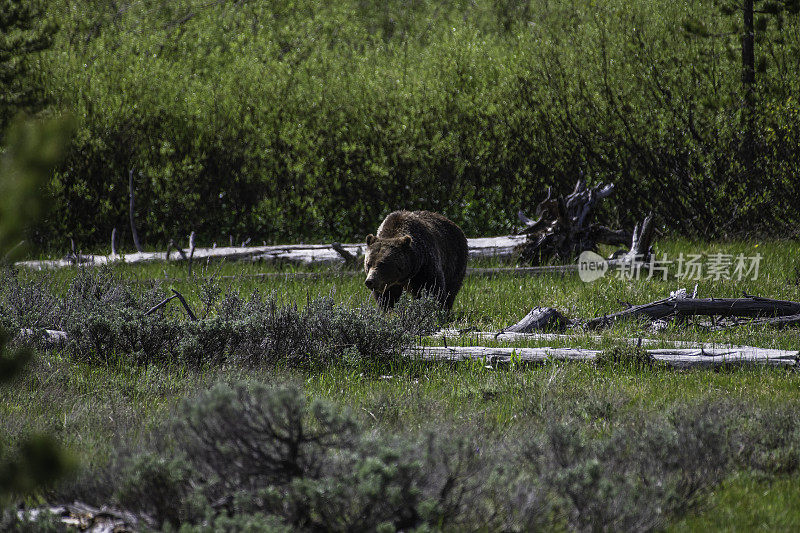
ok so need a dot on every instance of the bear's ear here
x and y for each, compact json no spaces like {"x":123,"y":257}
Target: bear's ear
{"x":407,"y":240}
{"x":370,"y":239}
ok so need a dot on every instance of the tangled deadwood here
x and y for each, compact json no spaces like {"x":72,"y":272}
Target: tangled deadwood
{"x":564,"y":229}
{"x":726,"y":312}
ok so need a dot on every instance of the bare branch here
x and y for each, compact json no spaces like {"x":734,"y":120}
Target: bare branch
{"x":135,"y":234}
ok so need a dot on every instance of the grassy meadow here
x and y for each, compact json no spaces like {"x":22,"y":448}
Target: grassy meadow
{"x":105,"y":410}
{"x":288,"y":406}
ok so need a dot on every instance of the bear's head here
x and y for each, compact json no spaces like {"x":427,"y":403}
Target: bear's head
{"x":388,"y":262}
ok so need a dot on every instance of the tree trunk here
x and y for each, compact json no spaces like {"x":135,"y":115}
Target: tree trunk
{"x":747,"y":147}
{"x":677,"y":357}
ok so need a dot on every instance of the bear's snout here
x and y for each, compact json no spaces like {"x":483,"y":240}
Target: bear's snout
{"x":371,"y":282}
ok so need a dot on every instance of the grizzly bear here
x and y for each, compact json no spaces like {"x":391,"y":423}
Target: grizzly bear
{"x":416,"y":251}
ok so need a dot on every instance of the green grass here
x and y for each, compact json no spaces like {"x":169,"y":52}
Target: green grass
{"x":94,"y":409}
{"x":746,"y":503}
{"x":491,"y":303}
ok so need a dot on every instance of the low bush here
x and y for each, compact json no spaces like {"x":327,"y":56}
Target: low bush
{"x":246,"y":454}
{"x":106,"y":321}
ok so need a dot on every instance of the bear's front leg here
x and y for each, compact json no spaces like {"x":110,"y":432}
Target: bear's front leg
{"x":388,"y":297}
{"x":431,"y":282}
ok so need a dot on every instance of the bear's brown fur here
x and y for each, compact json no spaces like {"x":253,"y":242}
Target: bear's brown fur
{"x":417,"y":251}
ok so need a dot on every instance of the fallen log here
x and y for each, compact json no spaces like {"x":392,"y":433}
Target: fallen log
{"x":683,"y":307}
{"x":676,"y":357}
{"x":507,"y":336}
{"x":78,"y":516}
{"x":540,"y":318}
{"x":778,"y":322}
{"x":304,"y":254}
{"x":52,"y":338}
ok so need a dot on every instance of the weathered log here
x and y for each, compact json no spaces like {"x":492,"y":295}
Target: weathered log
{"x":540,"y":318}
{"x":675,"y":307}
{"x":51,"y":338}
{"x":508,"y":336}
{"x":677,"y":357}
{"x":778,"y":322}
{"x":80,"y":516}
{"x":499,"y":355}
{"x":306,"y":254}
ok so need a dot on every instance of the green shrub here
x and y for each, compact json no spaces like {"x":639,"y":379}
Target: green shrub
{"x":251,"y":452}
{"x":246,"y":454}
{"x":312,"y":123}
{"x":106,"y":322}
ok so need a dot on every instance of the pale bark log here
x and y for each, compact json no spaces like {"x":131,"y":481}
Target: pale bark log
{"x":677,"y":357}
{"x":306,"y":254}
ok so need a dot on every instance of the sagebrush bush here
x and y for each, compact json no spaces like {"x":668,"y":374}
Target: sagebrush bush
{"x":251,"y":451}
{"x":105,"y":321}
{"x":246,"y":454}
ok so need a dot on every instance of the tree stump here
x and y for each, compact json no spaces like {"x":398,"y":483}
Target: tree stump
{"x":564,"y":229}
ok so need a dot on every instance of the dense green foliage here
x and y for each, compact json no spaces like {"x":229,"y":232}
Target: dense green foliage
{"x":23,"y":33}
{"x":312,"y":120}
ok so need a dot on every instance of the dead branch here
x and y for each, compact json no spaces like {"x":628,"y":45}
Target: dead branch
{"x":350,"y":260}
{"x":159,"y":305}
{"x":168,"y":299}
{"x":170,"y":246}
{"x":132,"y":204}
{"x":684,"y":307}
{"x":185,"y":305}
{"x":641,"y":242}
{"x":564,"y":229}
